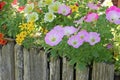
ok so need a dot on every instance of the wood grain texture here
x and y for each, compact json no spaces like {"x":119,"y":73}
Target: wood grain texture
{"x":38,"y":65}
{"x":82,"y":74}
{"x":19,"y":62}
{"x":67,"y":71}
{"x":7,"y":62}
{"x":103,"y":71}
{"x":27,"y":70}
{"x":54,"y":69}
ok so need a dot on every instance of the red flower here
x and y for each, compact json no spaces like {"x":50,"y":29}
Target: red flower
{"x":3,"y":41}
{"x":21,"y":8}
{"x":14,"y":2}
{"x":2,"y":4}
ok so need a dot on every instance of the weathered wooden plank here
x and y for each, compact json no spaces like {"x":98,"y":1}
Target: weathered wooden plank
{"x":26,"y":64}
{"x":0,"y":62}
{"x":44,"y":72}
{"x":103,"y":71}
{"x":82,"y":74}
{"x":19,"y":64}
{"x":7,"y":65}
{"x":68,"y":70}
{"x":35,"y":65}
{"x":54,"y":69}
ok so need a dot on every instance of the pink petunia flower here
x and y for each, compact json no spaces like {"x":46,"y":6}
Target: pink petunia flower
{"x":82,"y":35}
{"x":93,"y":6}
{"x":93,"y":38}
{"x":91,"y":17}
{"x":68,"y":30}
{"x":53,"y":38}
{"x":113,"y":8}
{"x":64,"y":10}
{"x":113,"y":14}
{"x":59,"y":29}
{"x":75,"y":41}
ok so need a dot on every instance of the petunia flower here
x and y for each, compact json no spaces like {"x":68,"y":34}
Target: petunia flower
{"x":54,"y":7}
{"x":60,"y":30}
{"x":75,"y":41}
{"x":113,"y":14}
{"x":32,"y":17}
{"x":49,"y":17}
{"x":29,"y":8}
{"x":93,"y":6}
{"x":41,"y":4}
{"x":82,"y":35}
{"x":53,"y":38}
{"x":93,"y":38}
{"x":68,"y":30}
{"x":91,"y":17}
{"x":64,"y":10}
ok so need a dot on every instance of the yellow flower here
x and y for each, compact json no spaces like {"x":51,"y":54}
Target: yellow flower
{"x":74,"y":8}
{"x":23,"y":26}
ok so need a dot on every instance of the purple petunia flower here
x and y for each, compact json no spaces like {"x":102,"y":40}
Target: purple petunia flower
{"x":109,"y":46}
{"x":91,"y":17}
{"x":53,"y":38}
{"x":75,"y":41}
{"x":93,"y":6}
{"x":68,"y":30}
{"x":64,"y":10}
{"x":82,"y":35}
{"x":93,"y":38}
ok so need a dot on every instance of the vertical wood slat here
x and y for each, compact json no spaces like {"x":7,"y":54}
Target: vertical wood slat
{"x":19,"y":65}
{"x":54,"y":69}
{"x":7,"y":62}
{"x":0,"y":62}
{"x":27,"y":70}
{"x":35,"y":67}
{"x":82,"y":74}
{"x":68,"y":70}
{"x":103,"y":71}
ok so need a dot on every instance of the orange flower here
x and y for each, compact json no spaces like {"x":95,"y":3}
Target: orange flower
{"x":1,"y":35}
{"x":3,"y":41}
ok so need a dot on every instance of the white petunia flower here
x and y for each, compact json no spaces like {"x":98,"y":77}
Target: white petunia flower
{"x":49,"y":17}
{"x":32,"y":17}
{"x":54,"y":7}
{"x":29,"y":8}
{"x":41,"y":3}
